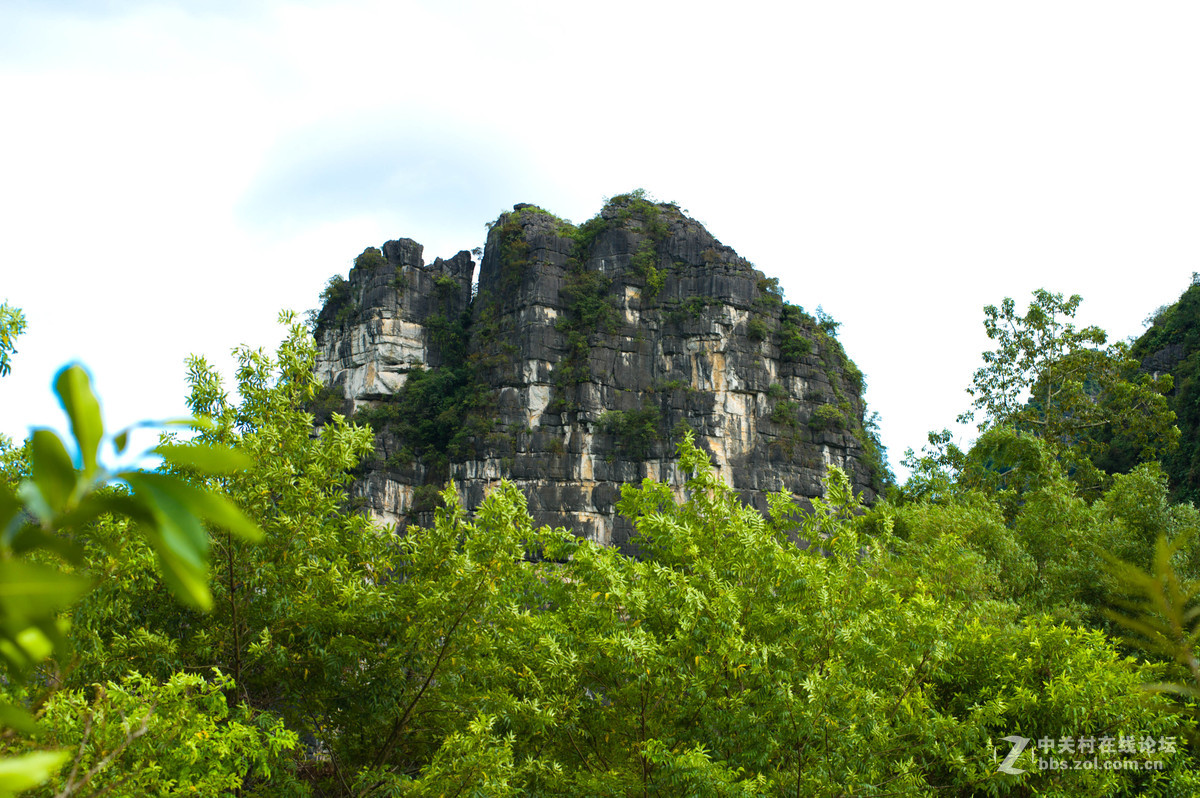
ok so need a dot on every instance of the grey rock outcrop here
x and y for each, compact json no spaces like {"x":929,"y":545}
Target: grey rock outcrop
{"x":582,"y":359}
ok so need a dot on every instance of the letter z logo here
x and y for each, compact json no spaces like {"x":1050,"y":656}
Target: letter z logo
{"x":1019,"y":744}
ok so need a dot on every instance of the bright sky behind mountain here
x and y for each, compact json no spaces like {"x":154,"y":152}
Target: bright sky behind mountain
{"x":172,"y":174}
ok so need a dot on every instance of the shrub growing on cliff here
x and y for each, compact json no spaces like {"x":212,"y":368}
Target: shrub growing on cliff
{"x":635,"y":431}
{"x":337,"y":307}
{"x":826,"y":417}
{"x":794,"y":341}
{"x":370,"y":258}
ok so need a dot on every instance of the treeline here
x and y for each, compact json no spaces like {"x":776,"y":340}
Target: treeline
{"x":229,"y":625}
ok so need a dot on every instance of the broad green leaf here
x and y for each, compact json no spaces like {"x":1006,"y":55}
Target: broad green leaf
{"x":121,"y":439}
{"x":15,"y":717}
{"x":23,"y":648}
{"x":211,"y":459}
{"x":210,"y":506}
{"x":31,"y":595}
{"x":97,"y":503}
{"x":187,"y":583}
{"x":53,"y":475}
{"x":180,"y":539}
{"x":31,"y":536}
{"x":10,"y":509}
{"x":74,"y":389}
{"x":29,"y":770}
{"x":29,"y":591}
{"x":219,"y":511}
{"x":168,"y":503}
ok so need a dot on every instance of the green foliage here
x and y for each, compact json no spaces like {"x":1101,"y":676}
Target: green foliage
{"x":670,"y":386}
{"x":826,"y":417}
{"x":757,"y":329}
{"x":690,"y":309}
{"x":445,"y":286}
{"x":588,"y":305}
{"x":854,"y":376}
{"x":1161,"y":615}
{"x":635,"y":431}
{"x":892,"y":653}
{"x":586,"y":234}
{"x":54,"y":511}
{"x":1178,"y":325}
{"x":435,"y":414}
{"x":294,"y":617}
{"x":371,"y":258}
{"x":450,"y":336}
{"x":644,"y":266}
{"x":794,"y":331}
{"x":826,"y":322}
{"x":12,"y":324}
{"x":934,"y":474}
{"x":328,"y":400}
{"x":770,"y":292}
{"x":874,"y":453}
{"x":1058,"y":382}
{"x":485,"y":655}
{"x":513,"y":251}
{"x":137,"y":737}
{"x":337,"y":306}
{"x":785,"y":412}
{"x":589,"y":310}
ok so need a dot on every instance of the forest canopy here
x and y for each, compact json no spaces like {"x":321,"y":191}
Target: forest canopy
{"x":231,"y":624}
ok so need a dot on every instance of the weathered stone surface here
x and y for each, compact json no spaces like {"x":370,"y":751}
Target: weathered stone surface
{"x":1164,"y":360}
{"x":388,"y":335}
{"x":639,"y":313}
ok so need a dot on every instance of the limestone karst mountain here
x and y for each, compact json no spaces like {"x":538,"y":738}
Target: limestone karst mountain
{"x":578,"y":363}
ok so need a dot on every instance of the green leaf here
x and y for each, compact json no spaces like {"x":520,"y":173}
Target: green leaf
{"x":15,"y":717}
{"x":29,"y":770}
{"x":74,"y":389}
{"x":121,"y":439}
{"x":209,"y":458}
{"x":31,"y":596}
{"x":219,"y":511}
{"x":31,"y":536}
{"x":29,"y":591}
{"x":53,"y":476}
{"x":179,"y":538}
{"x":10,"y":509}
{"x":212,"y":507}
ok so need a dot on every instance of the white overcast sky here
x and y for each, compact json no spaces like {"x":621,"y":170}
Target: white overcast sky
{"x":172,"y":174}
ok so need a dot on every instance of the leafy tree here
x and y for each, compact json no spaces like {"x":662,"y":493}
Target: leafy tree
{"x":932,"y":475}
{"x":44,"y":523}
{"x":12,"y":324}
{"x":1160,"y":615}
{"x":1061,"y":384}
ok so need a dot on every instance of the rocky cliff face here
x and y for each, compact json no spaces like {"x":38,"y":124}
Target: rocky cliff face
{"x":584,"y":357}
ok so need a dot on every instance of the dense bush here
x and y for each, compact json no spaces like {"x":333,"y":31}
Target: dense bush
{"x":635,"y":431}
